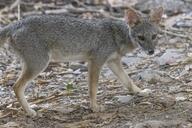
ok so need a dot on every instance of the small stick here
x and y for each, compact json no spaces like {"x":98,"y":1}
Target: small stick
{"x":17,"y":4}
{"x":176,"y":34}
{"x":19,"y":10}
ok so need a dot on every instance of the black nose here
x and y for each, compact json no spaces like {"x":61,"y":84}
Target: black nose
{"x":151,"y":52}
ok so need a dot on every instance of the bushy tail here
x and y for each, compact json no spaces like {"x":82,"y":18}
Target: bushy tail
{"x":4,"y":34}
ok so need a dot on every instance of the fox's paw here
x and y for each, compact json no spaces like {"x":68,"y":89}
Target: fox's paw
{"x":145,"y":92}
{"x":98,"y":108}
{"x":31,"y":113}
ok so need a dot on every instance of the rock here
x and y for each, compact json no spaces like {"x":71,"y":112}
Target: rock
{"x":184,"y":22}
{"x":77,"y":72}
{"x":64,"y":109}
{"x":150,"y":76}
{"x":129,"y":61}
{"x":170,"y":56}
{"x":127,"y":125}
{"x":159,"y":124}
{"x":171,"y":7}
{"x":124,"y":99}
{"x":108,"y":73}
{"x":2,"y":91}
{"x":153,"y":76}
{"x":116,"y":3}
{"x":78,"y":66}
{"x":1,"y":72}
{"x":173,"y":89}
{"x":188,"y":67}
{"x":165,"y":101}
{"x":10,"y":83}
{"x":145,"y":92}
{"x":142,"y":54}
{"x":10,"y":125}
{"x":180,"y":98}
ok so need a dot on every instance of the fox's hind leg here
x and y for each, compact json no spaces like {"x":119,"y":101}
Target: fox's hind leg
{"x":33,"y":64}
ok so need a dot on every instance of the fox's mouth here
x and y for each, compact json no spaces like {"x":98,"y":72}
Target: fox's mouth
{"x":148,"y":52}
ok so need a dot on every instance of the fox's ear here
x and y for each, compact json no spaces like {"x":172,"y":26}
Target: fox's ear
{"x":132,"y":16}
{"x":156,"y":14}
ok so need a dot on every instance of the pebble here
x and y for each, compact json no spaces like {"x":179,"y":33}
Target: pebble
{"x":124,"y":99}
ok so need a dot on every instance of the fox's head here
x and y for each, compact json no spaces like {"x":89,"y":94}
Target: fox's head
{"x":144,"y":28}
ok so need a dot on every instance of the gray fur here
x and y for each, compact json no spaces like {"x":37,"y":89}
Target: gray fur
{"x":41,"y":39}
{"x":67,"y":37}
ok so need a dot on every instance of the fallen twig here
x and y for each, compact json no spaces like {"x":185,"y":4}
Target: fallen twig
{"x":176,"y":34}
{"x":5,"y":115}
{"x":49,"y":98}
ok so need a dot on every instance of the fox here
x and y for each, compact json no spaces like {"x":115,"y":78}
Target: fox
{"x":40,"y":39}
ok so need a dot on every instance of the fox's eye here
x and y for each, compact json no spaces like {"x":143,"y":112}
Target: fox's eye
{"x":154,"y":36}
{"x":142,"y":38}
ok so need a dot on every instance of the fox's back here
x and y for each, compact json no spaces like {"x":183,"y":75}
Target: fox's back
{"x":52,"y":29}
{"x":65,"y":36}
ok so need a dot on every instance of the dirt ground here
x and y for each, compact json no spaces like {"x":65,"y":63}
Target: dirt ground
{"x":59,"y":94}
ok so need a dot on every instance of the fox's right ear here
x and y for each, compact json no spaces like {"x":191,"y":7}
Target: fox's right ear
{"x":132,"y":17}
{"x":156,"y":14}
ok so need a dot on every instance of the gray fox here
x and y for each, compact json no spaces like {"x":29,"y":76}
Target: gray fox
{"x":37,"y":40}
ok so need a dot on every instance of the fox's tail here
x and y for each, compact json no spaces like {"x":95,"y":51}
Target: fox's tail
{"x":4,"y":34}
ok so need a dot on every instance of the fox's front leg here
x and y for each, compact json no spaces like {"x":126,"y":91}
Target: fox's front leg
{"x":93,"y":72}
{"x":115,"y":65}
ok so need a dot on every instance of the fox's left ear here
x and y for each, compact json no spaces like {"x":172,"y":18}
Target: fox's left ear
{"x":132,"y":17}
{"x":156,"y":14}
